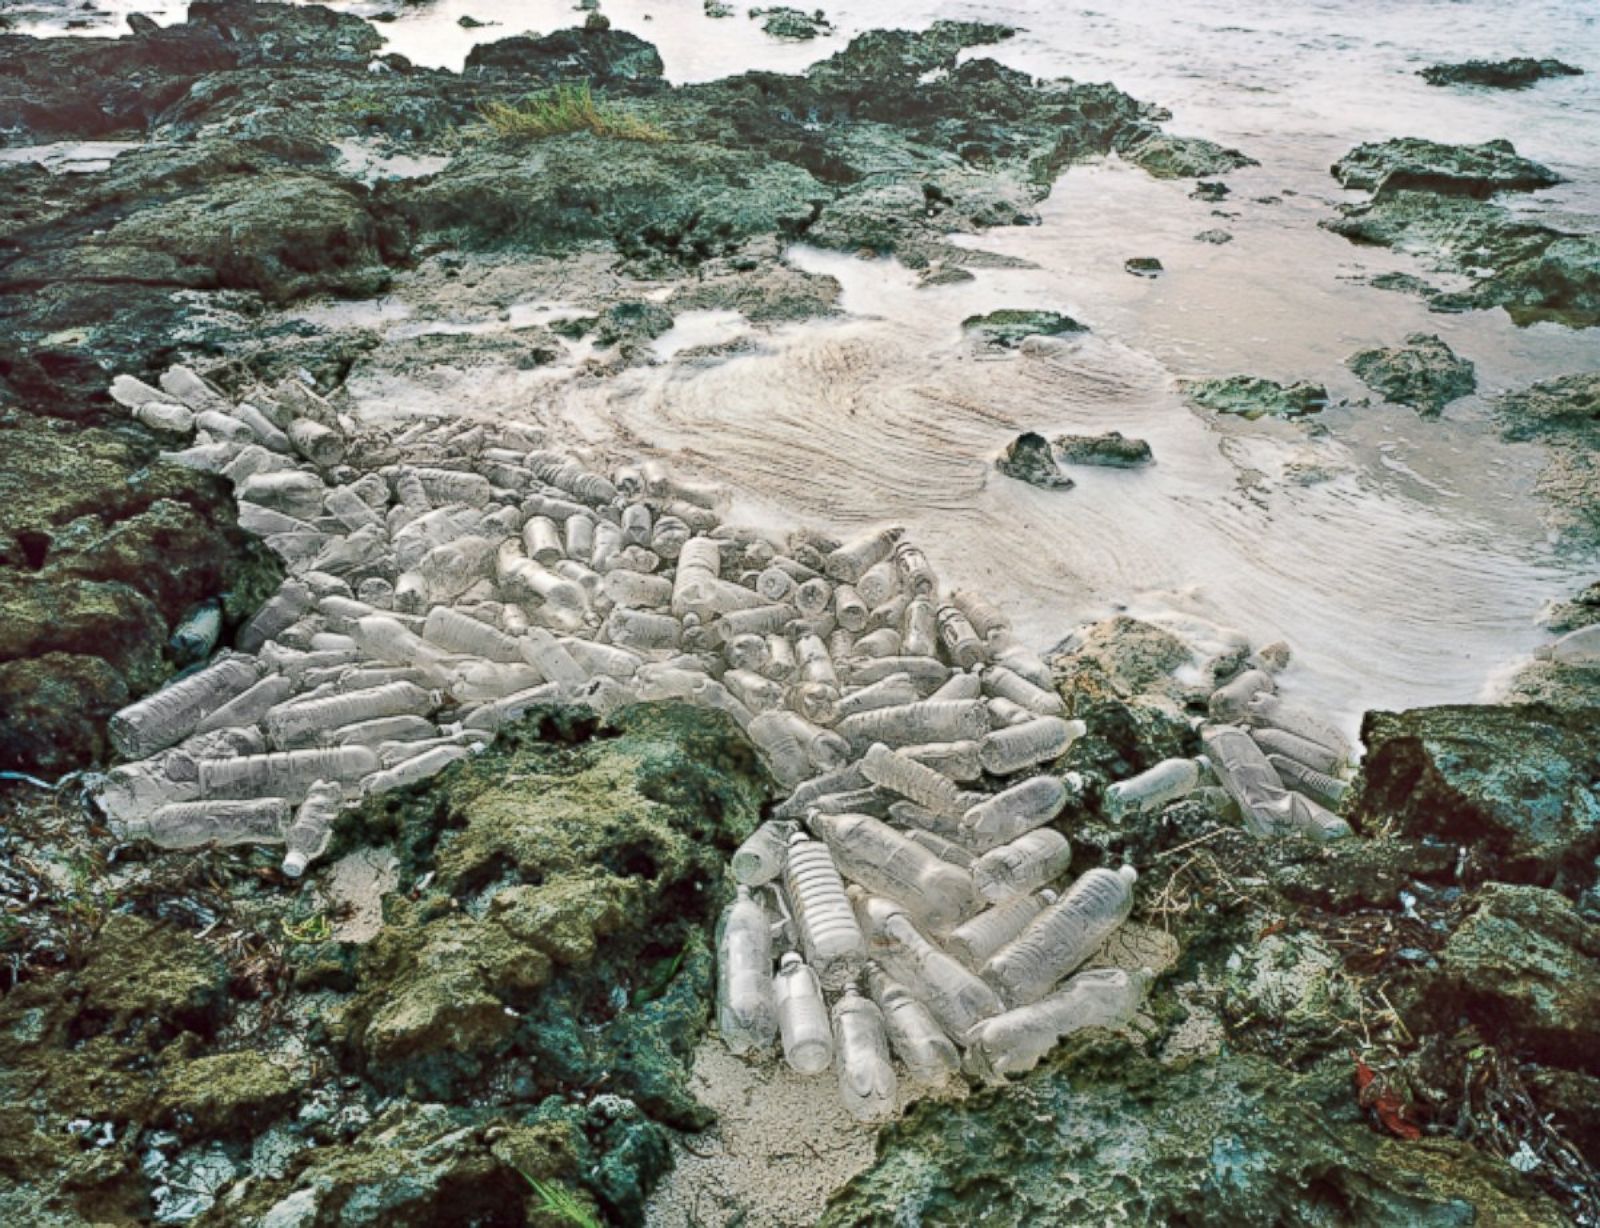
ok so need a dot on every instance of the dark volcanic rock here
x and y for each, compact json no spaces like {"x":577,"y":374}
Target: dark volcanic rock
{"x":1564,"y":414}
{"x":1517,"y":73}
{"x":1165,"y":156}
{"x":1006,"y":329}
{"x":1214,"y":237}
{"x":602,"y":56}
{"x":1113,"y":449}
{"x":1028,"y":458}
{"x":1424,"y":373}
{"x":1415,"y":165}
{"x":783,"y":22}
{"x":1142,"y":266}
{"x":1250,"y":396}
{"x":1512,"y":785}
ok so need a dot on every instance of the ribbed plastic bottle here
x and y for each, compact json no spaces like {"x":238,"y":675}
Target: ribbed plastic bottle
{"x":852,"y":559}
{"x":1319,"y":786}
{"x":916,"y":574}
{"x":1150,"y":790}
{"x":300,"y":722}
{"x":803,"y":1023}
{"x":172,"y":713}
{"x":866,"y":1076}
{"x":928,"y":720}
{"x":829,"y":931}
{"x":1314,"y":755}
{"x":911,"y":779}
{"x":914,"y":1034}
{"x":1014,"y":1042}
{"x":1022,"y":865}
{"x":919,"y":629}
{"x":1230,"y":701}
{"x":1005,"y":683}
{"x":308,"y":835}
{"x":927,"y":673}
{"x":188,"y":825}
{"x":1016,"y":747}
{"x":1266,"y":710}
{"x":958,"y":999}
{"x":746,"y":1014}
{"x":1062,"y":936}
{"x":1016,"y":810}
{"x":975,"y":940}
{"x":760,"y":858}
{"x":986,"y":618}
{"x":961,"y":643}
{"x":938,"y":895}
{"x":286,"y":774}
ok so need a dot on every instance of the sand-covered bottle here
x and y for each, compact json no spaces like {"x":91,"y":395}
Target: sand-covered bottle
{"x":829,"y":931}
{"x":1231,"y":701}
{"x":803,"y":1023}
{"x":1013,"y":1042}
{"x":746,"y":1015}
{"x":914,"y":1034}
{"x":866,"y":1075}
{"x":1062,"y":936}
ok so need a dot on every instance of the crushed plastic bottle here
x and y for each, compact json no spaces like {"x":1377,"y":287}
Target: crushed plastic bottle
{"x":1013,"y":1043}
{"x":746,"y":1014}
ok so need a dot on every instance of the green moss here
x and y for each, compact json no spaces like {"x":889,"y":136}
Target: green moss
{"x":226,"y":1094}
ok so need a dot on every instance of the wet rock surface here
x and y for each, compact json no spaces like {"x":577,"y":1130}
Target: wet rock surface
{"x":1165,"y":156}
{"x":1564,"y":415}
{"x":1415,"y":165}
{"x":1113,"y":450}
{"x":1029,"y":458}
{"x":1517,"y":73}
{"x":1253,"y":397}
{"x":1424,"y":373}
{"x":1008,"y":328}
{"x":781,"y":22}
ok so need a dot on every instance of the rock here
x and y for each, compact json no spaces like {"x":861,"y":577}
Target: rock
{"x":1101,"y":1134}
{"x":1563,"y":414}
{"x":1583,"y":610}
{"x":1142,"y":266}
{"x":1511,"y":785}
{"x":226,"y":1094}
{"x":1253,"y":397}
{"x":600,"y":55}
{"x":1425,"y":373}
{"x":1214,"y":237}
{"x":1028,"y":458}
{"x":1517,"y":73}
{"x":1406,"y":283}
{"x":1005,"y":329}
{"x":1209,"y":190}
{"x":783,"y":22}
{"x":1415,"y":165}
{"x":635,"y":323}
{"x":1165,"y":156}
{"x":1122,"y":658}
{"x":1523,"y":966}
{"x":1352,"y":875}
{"x":1112,"y":449}
{"x":1288,"y":984}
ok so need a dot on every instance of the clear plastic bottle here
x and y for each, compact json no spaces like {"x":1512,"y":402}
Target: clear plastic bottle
{"x":775,"y":584}
{"x":1062,"y":936}
{"x":829,"y":930}
{"x":454,"y":631}
{"x":637,"y":590}
{"x":927,"y":720}
{"x":781,"y":663}
{"x":984,"y":616}
{"x":669,"y":534}
{"x":1016,"y":811}
{"x":1230,"y":702}
{"x":634,"y":558}
{"x":1319,"y":786}
{"x":746,"y":1014}
{"x":760,"y":858}
{"x":916,"y":574}
{"x":849,"y":609}
{"x":938,"y":894}
{"x":868,"y":800}
{"x":636,"y":525}
{"x":1013,"y":1042}
{"x":288,"y":491}
{"x":1152,"y":789}
{"x":308,"y":836}
{"x":957,"y":760}
{"x":783,"y":752}
{"x":300,"y":722}
{"x":1003,"y":713}
{"x":824,"y":749}
{"x":759,"y":620}
{"x":914,"y":1034}
{"x":919,"y":631}
{"x":550,"y":657}
{"x":958,"y":999}
{"x":894,"y":691}
{"x":755,"y":692}
{"x":578,"y":539}
{"x":802,"y":1016}
{"x":961,"y":643}
{"x":884,"y":642}
{"x":472,"y":681}
{"x":606,"y":659}
{"x":1243,"y":770}
{"x":941,"y":847}
{"x":188,"y":825}
{"x":541,"y":538}
{"x":850,"y":561}
{"x":249,"y":707}
{"x":813,"y":597}
{"x":1022,"y":746}
{"x":866,"y":1076}
{"x":877,"y":584}
{"x":911,"y":779}
{"x":1004,"y":683}
{"x":1326,"y":759}
{"x":321,"y":445}
{"x":975,"y":940}
{"x":287,"y":774}
{"x":414,"y":770}
{"x":799,"y":801}
{"x":643,"y":630}
{"x":380,"y":730}
{"x":454,"y":486}
{"x":173,"y":713}
{"x":890,"y":614}
{"x":1314,"y":821}
{"x":1268,"y":711}
{"x":283,"y":609}
{"x":926,"y":673}
{"x":960,"y":686}
{"x":1022,"y":865}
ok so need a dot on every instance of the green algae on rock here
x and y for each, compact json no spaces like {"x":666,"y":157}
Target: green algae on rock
{"x":1251,"y":396}
{"x":1112,"y":450}
{"x":1563,"y":414}
{"x":1413,"y":164}
{"x":1164,"y":156}
{"x":1516,"y":73}
{"x":1007,"y":328}
{"x":1424,"y":373}
{"x":782,"y":22}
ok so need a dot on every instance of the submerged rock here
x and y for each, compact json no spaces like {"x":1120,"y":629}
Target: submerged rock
{"x":1424,"y":373}
{"x":1214,"y":237}
{"x":1165,"y":156}
{"x":1563,"y":414}
{"x":1252,"y":397}
{"x":1104,"y":1135}
{"x":1028,"y":458}
{"x":1511,"y":785}
{"x":599,"y":55}
{"x":1142,"y":266}
{"x":781,"y":22}
{"x":1517,"y":73}
{"x":1006,"y":329}
{"x":1209,"y":190}
{"x":1113,"y":449}
{"x":1413,"y":164}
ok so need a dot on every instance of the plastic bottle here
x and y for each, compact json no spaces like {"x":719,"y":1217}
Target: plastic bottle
{"x":321,"y":445}
{"x":877,"y":584}
{"x":957,"y":760}
{"x":643,"y":630}
{"x":454,"y":631}
{"x":307,"y":837}
{"x":916,"y":574}
{"x":783,"y":752}
{"x":637,"y":590}
{"x":938,"y":894}
{"x":471,"y":681}
{"x":911,"y":779}
{"x":250,"y":706}
{"x":866,"y":1076}
{"x":958,"y":999}
{"x":1319,"y":786}
{"x":927,"y":720}
{"x":607,"y":659}
{"x":985,"y":617}
{"x":411,"y":771}
{"x":1016,"y":811}
{"x":868,"y":800}
{"x":961,"y":643}
{"x":550,"y":657}
{"x":893,"y":691}
{"x":670,"y":533}
{"x":760,"y":858}
{"x":286,"y":774}
{"x":959,"y":686}
{"x":380,"y":730}
{"x":884,"y":642}
{"x":188,"y":825}
{"x":746,"y":1014}
{"x":1004,"y":683}
{"x":1314,"y":755}
{"x":757,"y":693}
{"x":1062,"y":936}
{"x":799,"y":801}
{"x":1229,"y":702}
{"x":914,"y":1034}
{"x":1013,"y":1042}
{"x":301,"y":721}
{"x":824,"y":749}
{"x":173,"y":713}
{"x":781,"y":662}
{"x":1311,"y":820}
{"x":1021,"y":746}
{"x":975,"y":940}
{"x":829,"y":930}
{"x":1003,"y":713}
{"x":1152,"y":789}
{"x":454,"y":486}
{"x":1243,"y":770}
{"x":919,"y":630}
{"x":1580,"y":647}
{"x":849,"y":609}
{"x":942,"y":847}
{"x":1268,"y":711}
{"x":775,"y":584}
{"x":802,"y":1016}
{"x":1021,"y":865}
{"x":926,"y":673}
{"x":578,"y":538}
{"x":283,"y":609}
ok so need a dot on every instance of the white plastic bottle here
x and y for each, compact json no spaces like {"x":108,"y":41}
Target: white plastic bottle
{"x":803,"y":1021}
{"x":829,"y":931}
{"x":746,"y":1015}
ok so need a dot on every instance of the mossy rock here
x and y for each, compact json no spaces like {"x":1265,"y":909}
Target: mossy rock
{"x":226,"y":1094}
{"x":1007,"y":328}
{"x":1424,"y":373}
{"x":1252,"y":397}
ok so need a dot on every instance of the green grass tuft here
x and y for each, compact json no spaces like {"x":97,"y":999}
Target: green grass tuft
{"x":560,"y":1202}
{"x":567,"y":108}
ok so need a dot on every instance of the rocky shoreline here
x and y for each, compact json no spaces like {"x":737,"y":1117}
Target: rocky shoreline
{"x":1400,"y":1026}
